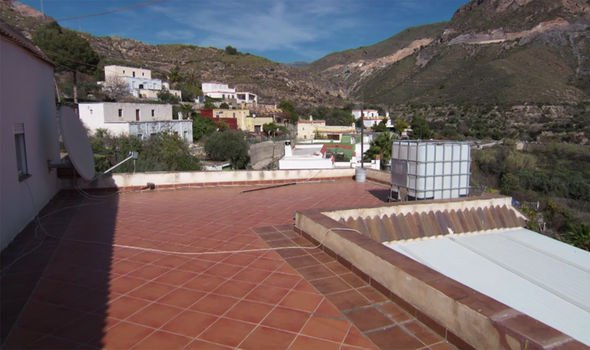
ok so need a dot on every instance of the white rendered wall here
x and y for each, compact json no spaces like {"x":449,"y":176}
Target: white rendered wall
{"x":123,"y":71}
{"x":110,"y":111}
{"x":26,"y":96}
{"x":183,"y":128}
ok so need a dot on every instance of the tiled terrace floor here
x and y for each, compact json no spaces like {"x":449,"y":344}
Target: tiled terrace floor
{"x":69,"y":293}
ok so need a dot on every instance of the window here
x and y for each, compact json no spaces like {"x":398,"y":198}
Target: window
{"x":22,"y":167}
{"x":133,"y":74}
{"x":153,"y":113}
{"x":137,"y":115}
{"x":120,"y":112}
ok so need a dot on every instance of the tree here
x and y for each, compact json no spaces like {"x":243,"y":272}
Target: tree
{"x":202,"y":127}
{"x":161,"y":152}
{"x":174,"y":75}
{"x":224,"y":105}
{"x":382,"y":126}
{"x":187,"y":110}
{"x":271,"y":129}
{"x":228,"y":145}
{"x":420,"y":128}
{"x":231,"y":50}
{"x":381,"y":146}
{"x":115,"y":89}
{"x":400,"y":125}
{"x":289,"y":109}
{"x":167,"y":97}
{"x":68,"y":50}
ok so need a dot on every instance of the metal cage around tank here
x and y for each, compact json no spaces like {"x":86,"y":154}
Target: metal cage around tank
{"x":430,"y":170}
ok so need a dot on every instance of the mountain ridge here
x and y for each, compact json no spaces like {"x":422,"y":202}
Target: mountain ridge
{"x":490,"y":52}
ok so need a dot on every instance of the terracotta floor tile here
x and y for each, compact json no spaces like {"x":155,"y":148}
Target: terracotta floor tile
{"x":370,"y":318}
{"x":394,"y":338}
{"x":227,"y":332}
{"x":315,"y":272}
{"x":214,"y":304}
{"x":204,"y":282}
{"x":286,"y":319}
{"x":235,"y":288}
{"x":162,"y":340}
{"x":125,"y":284}
{"x":302,"y":261}
{"x":353,"y":280}
{"x":154,"y":315}
{"x":224,"y":270}
{"x":151,"y":291}
{"x":249,"y":311}
{"x":264,"y":264}
{"x":305,"y":343}
{"x":330,"y":285}
{"x":302,"y":301}
{"x":263,"y":338}
{"x":326,"y":328}
{"x":347,"y":300}
{"x":357,"y":339}
{"x":172,"y":261}
{"x":195,"y":265}
{"x":148,"y":272}
{"x":124,"y":306}
{"x":395,"y":312}
{"x":327,"y":309}
{"x":190,"y":323}
{"x":267,"y":294}
{"x":125,"y":335}
{"x":204,"y":345}
{"x":420,"y":331}
{"x":181,"y":297}
{"x":240,"y":259}
{"x":176,"y":277}
{"x":282,"y":280}
{"x":337,"y":267}
{"x":372,"y":294}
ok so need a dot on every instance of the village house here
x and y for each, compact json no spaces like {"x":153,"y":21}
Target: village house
{"x":29,"y":132}
{"x":137,"y":119}
{"x":138,"y":80}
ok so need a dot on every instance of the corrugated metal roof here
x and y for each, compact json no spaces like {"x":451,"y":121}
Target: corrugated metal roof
{"x":539,"y":276}
{"x":442,"y":222}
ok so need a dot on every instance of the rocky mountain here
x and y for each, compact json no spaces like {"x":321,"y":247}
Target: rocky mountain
{"x":506,"y":52}
{"x":491,"y":52}
{"x":272,"y":81}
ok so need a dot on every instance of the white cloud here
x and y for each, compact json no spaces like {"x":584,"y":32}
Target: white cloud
{"x":262,"y":25}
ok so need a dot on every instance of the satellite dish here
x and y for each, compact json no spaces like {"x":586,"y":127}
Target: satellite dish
{"x":77,"y":143}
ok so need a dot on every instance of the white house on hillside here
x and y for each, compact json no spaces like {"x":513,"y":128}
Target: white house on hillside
{"x":224,"y":92}
{"x":138,"y":119}
{"x":366,"y":112}
{"x":29,"y":133}
{"x":138,"y":80}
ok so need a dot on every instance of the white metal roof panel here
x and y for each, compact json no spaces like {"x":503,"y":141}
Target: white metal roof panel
{"x":539,"y":276}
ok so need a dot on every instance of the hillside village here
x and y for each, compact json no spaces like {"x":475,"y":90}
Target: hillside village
{"x":431,"y":191}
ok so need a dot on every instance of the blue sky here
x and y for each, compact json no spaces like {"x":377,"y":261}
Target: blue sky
{"x":281,"y":30}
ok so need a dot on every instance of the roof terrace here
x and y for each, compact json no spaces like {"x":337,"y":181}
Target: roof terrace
{"x":76,"y":277}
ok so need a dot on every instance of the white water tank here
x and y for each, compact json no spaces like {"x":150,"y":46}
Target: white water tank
{"x":430,"y":170}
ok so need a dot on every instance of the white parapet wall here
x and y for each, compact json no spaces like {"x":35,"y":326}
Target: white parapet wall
{"x":208,"y":178}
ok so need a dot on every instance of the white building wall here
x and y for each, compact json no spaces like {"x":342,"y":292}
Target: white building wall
{"x":26,"y":97}
{"x":366,"y":112}
{"x":123,"y":71}
{"x":183,"y":128}
{"x":110,"y":111}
